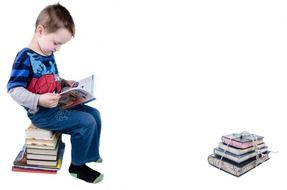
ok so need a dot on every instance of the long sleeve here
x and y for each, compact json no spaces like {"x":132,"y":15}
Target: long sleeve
{"x":25,"y":98}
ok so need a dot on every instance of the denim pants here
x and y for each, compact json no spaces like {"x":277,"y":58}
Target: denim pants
{"x":82,"y":122}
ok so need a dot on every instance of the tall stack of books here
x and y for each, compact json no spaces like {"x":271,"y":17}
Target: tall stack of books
{"x":42,"y":152}
{"x":238,"y":153}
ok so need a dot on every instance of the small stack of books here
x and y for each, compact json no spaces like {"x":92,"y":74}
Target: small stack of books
{"x":42,"y":152}
{"x":238,"y":153}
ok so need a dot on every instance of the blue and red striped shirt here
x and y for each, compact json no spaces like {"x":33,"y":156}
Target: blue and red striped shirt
{"x":35,"y":72}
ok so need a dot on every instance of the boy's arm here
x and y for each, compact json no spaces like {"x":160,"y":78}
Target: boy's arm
{"x":31,"y":100}
{"x":25,"y":98}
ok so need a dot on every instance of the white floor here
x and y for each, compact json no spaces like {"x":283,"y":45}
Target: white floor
{"x":172,"y":77}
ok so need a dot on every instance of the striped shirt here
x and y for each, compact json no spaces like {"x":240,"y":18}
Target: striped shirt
{"x":35,"y":72}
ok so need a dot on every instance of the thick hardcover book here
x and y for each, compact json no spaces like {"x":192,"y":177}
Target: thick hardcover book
{"x":240,"y":140}
{"x":41,"y":157}
{"x":43,"y":142}
{"x":234,"y":168}
{"x":241,"y":157}
{"x":80,"y":93}
{"x":34,"y":132}
{"x":40,"y":144}
{"x":239,"y":151}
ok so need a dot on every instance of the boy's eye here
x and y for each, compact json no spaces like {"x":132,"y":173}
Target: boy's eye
{"x":57,"y":43}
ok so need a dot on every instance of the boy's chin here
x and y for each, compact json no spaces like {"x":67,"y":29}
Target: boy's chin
{"x":47,"y":53}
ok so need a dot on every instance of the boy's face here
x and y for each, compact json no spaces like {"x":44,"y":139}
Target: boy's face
{"x":51,"y":42}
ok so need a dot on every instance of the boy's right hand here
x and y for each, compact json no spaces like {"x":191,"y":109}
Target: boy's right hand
{"x":49,"y":100}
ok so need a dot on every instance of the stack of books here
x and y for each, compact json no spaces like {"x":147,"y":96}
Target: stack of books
{"x":238,"y":153}
{"x":42,"y":152}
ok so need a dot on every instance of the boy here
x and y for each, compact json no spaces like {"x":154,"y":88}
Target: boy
{"x":35,"y":84}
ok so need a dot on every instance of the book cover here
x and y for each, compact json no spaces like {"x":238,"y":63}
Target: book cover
{"x":21,"y":159}
{"x":235,"y":168}
{"x":37,"y":167}
{"x":80,"y":93}
{"x":242,"y":141}
{"x":239,"y":151}
{"x":239,"y":158}
{"x":30,"y":170}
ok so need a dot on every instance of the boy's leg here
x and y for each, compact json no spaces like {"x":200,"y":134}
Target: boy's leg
{"x":95,"y":113}
{"x":82,"y":127}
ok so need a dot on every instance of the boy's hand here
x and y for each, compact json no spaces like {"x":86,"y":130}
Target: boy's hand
{"x":49,"y":100}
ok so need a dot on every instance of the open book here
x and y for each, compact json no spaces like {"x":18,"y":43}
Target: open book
{"x":81,"y":92}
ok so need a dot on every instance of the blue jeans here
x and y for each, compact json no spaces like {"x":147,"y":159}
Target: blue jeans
{"x":82,"y":122}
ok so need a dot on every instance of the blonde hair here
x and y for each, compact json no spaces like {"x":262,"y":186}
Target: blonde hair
{"x":54,"y":17}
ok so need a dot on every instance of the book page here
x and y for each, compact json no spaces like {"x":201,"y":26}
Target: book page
{"x":81,"y":92}
{"x":86,"y":84}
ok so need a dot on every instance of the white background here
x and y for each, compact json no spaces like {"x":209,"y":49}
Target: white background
{"x":172,"y":77}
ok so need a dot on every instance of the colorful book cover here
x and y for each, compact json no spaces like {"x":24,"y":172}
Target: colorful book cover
{"x":30,"y":170}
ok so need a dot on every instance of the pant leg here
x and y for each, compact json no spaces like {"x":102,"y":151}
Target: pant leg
{"x":82,"y":127}
{"x":95,"y":113}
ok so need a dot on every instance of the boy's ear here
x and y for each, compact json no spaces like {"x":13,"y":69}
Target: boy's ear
{"x":39,"y":30}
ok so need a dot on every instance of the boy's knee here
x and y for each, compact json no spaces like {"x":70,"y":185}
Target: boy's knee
{"x":96,"y":113}
{"x":87,"y":122}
